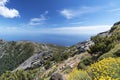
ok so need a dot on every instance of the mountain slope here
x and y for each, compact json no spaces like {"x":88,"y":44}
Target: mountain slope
{"x":104,"y":63}
{"x":47,"y":59}
{"x":12,"y":54}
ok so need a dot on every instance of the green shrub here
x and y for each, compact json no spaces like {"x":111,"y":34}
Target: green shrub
{"x":78,"y":75}
{"x":67,"y":70}
{"x":102,"y":44}
{"x":84,"y":62}
{"x":47,"y":64}
{"x":115,"y":52}
{"x":59,"y":56}
{"x":18,"y":75}
{"x":64,"y":56}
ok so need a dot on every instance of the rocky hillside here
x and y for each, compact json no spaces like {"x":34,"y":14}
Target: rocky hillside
{"x":41,"y":58}
{"x":33,"y":61}
{"x":27,"y":55}
{"x":12,"y":53}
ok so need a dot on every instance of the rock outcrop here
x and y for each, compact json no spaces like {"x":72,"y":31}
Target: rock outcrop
{"x":37,"y":59}
{"x":57,"y":76}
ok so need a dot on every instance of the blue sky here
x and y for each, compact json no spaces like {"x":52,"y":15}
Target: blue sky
{"x":62,"y":17}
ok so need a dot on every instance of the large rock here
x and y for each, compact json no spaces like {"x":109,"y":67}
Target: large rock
{"x":57,"y":76}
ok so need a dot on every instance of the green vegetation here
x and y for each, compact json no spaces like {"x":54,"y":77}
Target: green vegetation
{"x":103,"y":62}
{"x":67,"y":70}
{"x":18,"y":75}
{"x":78,"y":75}
{"x":115,"y":52}
{"x":86,"y":61}
{"x":56,"y":57}
{"x":16,"y":54}
{"x":106,"y":69}
{"x":102,"y":50}
{"x":102,"y":44}
{"x":107,"y":45}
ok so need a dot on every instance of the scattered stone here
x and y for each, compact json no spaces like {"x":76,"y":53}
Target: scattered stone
{"x":57,"y":76}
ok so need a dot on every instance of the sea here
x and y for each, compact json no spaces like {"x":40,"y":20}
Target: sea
{"x":63,"y":40}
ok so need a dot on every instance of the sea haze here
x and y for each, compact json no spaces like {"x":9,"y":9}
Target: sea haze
{"x":64,"y":40}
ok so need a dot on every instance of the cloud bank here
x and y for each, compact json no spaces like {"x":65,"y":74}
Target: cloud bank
{"x":79,"y":30}
{"x":82,"y":29}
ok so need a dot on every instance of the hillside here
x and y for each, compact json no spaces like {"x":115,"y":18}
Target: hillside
{"x":12,"y":53}
{"x":95,"y":59}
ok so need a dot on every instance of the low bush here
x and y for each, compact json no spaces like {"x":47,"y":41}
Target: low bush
{"x":84,"y":62}
{"x":78,"y":75}
{"x":115,"y":52}
{"x":102,"y":44}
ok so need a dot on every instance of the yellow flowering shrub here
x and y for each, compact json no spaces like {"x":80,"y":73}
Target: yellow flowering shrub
{"x":78,"y":75}
{"x":105,"y":69}
{"x":106,"y":78}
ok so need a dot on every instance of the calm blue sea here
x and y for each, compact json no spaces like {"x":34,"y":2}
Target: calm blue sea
{"x":64,"y":40}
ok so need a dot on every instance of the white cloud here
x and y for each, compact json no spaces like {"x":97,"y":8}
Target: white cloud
{"x":89,"y":30}
{"x":38,"y":21}
{"x":6,"y":12}
{"x":3,"y":2}
{"x":67,"y":13}
{"x":72,"y":13}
